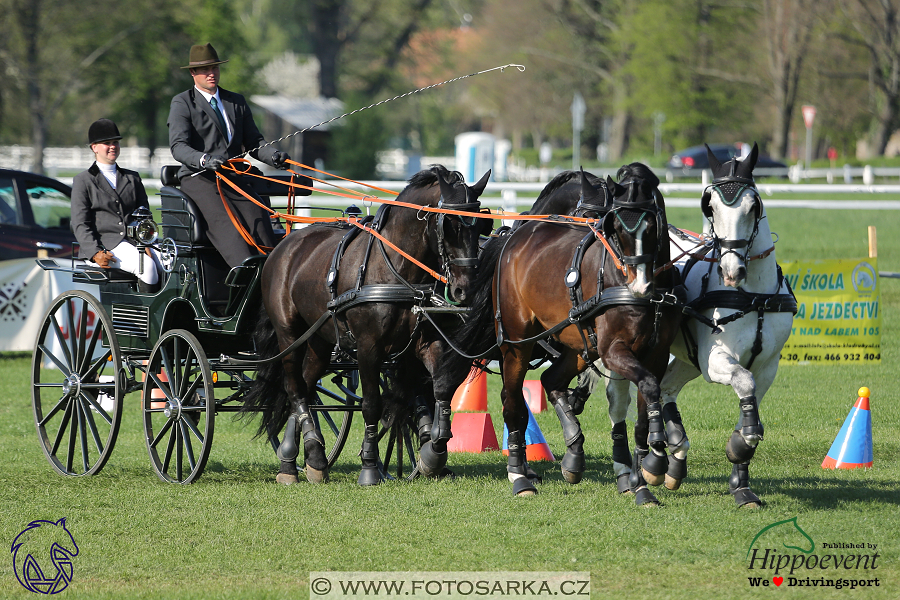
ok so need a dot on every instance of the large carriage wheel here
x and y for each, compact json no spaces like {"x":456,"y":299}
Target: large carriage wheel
{"x":179,"y":407}
{"x":77,"y":384}
{"x":399,"y":442}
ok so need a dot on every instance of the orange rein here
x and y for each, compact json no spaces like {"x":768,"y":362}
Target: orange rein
{"x":232,"y":165}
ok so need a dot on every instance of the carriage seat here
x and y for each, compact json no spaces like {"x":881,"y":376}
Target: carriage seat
{"x":181,"y":218}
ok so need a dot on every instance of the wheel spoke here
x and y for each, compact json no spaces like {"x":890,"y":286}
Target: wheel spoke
{"x":186,"y":438}
{"x":80,"y":356}
{"x":53,"y":412}
{"x":179,"y":452}
{"x":62,"y":344}
{"x":82,"y":433}
{"x":190,"y":425}
{"x":92,"y":425}
{"x":59,"y":365}
{"x":161,"y":433}
{"x":98,"y":331}
{"x":166,"y":368}
{"x":162,"y":385}
{"x":95,"y":366}
{"x":70,"y":323}
{"x":192,"y":389}
{"x":96,"y":406}
{"x":187,"y":373}
{"x":73,"y":431}
{"x":169,"y":447}
{"x":62,"y":428}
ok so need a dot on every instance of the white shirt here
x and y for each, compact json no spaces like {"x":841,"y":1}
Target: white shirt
{"x":221,"y":109}
{"x":109,"y":171}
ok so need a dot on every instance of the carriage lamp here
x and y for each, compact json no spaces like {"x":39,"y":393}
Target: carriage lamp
{"x":142,"y":230}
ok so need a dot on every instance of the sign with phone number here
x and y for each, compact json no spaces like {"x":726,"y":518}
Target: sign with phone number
{"x":838,"y":316}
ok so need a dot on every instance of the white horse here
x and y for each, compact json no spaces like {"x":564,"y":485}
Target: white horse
{"x":752,"y":308}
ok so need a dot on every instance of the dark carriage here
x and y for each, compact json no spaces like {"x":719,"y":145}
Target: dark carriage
{"x":188,"y":348}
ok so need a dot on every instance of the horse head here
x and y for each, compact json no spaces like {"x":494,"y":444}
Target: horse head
{"x":733,"y":208}
{"x":634,"y":224}
{"x":42,"y":556}
{"x":457,"y":236}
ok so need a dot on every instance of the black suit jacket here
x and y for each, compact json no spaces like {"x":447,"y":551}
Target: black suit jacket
{"x":100,"y":213}
{"x":194,"y":130}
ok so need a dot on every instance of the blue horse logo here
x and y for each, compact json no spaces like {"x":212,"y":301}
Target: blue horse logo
{"x":42,"y":556}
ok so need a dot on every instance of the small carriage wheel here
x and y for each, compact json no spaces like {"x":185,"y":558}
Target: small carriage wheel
{"x":179,"y":407}
{"x":77,"y":384}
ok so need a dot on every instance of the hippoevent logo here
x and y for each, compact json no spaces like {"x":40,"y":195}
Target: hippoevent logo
{"x":42,"y":556}
{"x":784,"y":554}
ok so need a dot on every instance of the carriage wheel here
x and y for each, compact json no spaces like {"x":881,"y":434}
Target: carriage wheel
{"x":179,"y":407}
{"x":77,"y":384}
{"x":399,"y":443}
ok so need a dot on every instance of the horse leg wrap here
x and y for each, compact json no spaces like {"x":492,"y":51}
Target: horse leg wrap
{"x":576,"y":399}
{"x":424,"y":423}
{"x":656,"y":435}
{"x":440,"y":429}
{"x":621,"y":456}
{"x":676,"y":472}
{"x":738,"y":450}
{"x":739,"y":486}
{"x":572,"y":464}
{"x":642,"y":495}
{"x":751,"y":427}
{"x":517,"y":466}
{"x":370,"y":474}
{"x":675,"y":432}
{"x":287,"y":453}
{"x":313,"y":443}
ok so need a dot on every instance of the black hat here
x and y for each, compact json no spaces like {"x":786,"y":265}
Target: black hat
{"x":102,"y":130}
{"x":203,"y":56}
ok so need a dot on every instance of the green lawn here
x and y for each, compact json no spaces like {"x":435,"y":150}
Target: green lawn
{"x":236,"y":534}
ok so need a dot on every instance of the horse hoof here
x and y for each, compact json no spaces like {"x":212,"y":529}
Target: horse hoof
{"x":751,"y":505}
{"x":672,"y":483}
{"x":652,"y":479}
{"x":431,"y":462}
{"x":315,"y":475}
{"x":369,"y":476}
{"x":644,"y":497}
{"x":571,"y":476}
{"x":286,"y":479}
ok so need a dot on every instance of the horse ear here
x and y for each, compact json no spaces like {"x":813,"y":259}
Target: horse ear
{"x":615,"y":190}
{"x":745,"y":167}
{"x":589,"y":195}
{"x":478,"y":188}
{"x":446,"y":188}
{"x":714,"y":163}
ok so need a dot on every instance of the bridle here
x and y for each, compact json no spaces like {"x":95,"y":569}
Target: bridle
{"x":731,"y":189}
{"x":631,"y":214}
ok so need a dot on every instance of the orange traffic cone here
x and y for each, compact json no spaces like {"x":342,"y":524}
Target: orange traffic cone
{"x":852,"y":448}
{"x":536,"y":447}
{"x":534,"y":395}
{"x":472,"y":432}
{"x":472,"y":394}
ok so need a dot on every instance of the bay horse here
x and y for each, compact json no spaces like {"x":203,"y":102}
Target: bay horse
{"x":533,"y":287}
{"x":367,"y":291}
{"x":742,"y":353}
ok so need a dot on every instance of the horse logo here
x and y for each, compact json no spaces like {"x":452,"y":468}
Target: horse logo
{"x":40,"y":545}
{"x":864,"y":278}
{"x":788,"y":530}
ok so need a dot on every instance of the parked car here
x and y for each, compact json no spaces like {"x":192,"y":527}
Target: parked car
{"x":695,"y":158}
{"x":35,"y":213}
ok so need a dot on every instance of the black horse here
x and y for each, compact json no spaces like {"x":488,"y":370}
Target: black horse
{"x":550,"y":280}
{"x":367,"y":290}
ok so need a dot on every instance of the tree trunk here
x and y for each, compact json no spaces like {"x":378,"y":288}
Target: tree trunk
{"x":326,"y":16}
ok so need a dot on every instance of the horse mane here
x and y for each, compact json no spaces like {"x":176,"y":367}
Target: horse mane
{"x":636,"y":170}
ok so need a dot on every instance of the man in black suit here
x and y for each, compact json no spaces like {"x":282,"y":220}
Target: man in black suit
{"x":207,"y":126}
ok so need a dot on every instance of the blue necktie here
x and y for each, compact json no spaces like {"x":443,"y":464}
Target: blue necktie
{"x":215,"y":107}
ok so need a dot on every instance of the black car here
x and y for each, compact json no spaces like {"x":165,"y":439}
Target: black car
{"x":695,"y":158}
{"x":35,"y":214}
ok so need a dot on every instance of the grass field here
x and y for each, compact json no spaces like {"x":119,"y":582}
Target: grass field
{"x":236,"y":534}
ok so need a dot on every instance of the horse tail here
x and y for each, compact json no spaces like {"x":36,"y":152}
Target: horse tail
{"x":267,"y":394}
{"x":476,"y":333}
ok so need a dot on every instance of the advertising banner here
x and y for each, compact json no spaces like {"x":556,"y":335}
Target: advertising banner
{"x":839,"y":312}
{"x":26,"y":291}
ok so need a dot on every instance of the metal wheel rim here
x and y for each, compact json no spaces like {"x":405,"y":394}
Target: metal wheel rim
{"x":76,"y":413}
{"x":182,"y":412}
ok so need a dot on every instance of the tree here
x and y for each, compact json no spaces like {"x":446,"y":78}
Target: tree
{"x":876,"y":24}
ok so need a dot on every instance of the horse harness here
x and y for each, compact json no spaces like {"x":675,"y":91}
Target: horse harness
{"x":730,"y":188}
{"x":402,"y":292}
